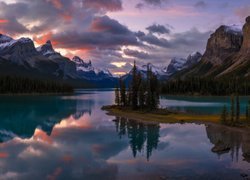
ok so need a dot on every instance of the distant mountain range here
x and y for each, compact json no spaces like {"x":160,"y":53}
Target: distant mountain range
{"x":227,"y":54}
{"x":164,"y":73}
{"x":21,"y":58}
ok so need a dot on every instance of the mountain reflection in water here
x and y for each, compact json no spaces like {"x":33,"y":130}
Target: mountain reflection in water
{"x":70,"y":137}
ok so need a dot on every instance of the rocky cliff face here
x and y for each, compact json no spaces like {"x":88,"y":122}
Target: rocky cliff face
{"x":246,"y":40}
{"x":227,"y":54}
{"x":17,"y":51}
{"x":226,"y":41}
{"x":48,"y":50}
{"x":20,"y":57}
{"x":192,"y":59}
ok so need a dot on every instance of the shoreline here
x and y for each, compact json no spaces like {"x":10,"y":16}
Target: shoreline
{"x":35,"y":94}
{"x":170,"y":117}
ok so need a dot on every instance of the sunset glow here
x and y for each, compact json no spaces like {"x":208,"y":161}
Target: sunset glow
{"x":102,"y":29}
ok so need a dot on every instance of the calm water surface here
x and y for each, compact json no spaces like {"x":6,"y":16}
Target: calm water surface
{"x":70,"y":137}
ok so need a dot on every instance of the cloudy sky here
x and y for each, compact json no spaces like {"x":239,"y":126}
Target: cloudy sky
{"x":114,"y":33}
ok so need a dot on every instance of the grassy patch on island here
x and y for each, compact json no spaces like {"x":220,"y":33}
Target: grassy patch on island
{"x":160,"y":115}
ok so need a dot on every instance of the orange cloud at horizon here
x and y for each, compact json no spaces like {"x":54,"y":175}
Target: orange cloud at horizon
{"x":3,"y":21}
{"x":42,"y":39}
{"x":4,"y":154}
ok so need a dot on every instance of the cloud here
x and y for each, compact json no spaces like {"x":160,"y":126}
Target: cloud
{"x":57,"y":3}
{"x":106,"y":24}
{"x":200,"y":4}
{"x":137,"y":54}
{"x":4,"y":21}
{"x":108,"y":5}
{"x":159,"y":29}
{"x":243,"y":12}
{"x":153,"y":40}
{"x":103,"y":33}
{"x":191,"y":38}
{"x":12,"y":26}
{"x":83,"y":28}
{"x":155,"y":3}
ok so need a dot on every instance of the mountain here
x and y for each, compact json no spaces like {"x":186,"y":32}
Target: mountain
{"x":48,"y":50}
{"x":21,"y":58}
{"x":161,"y":73}
{"x":226,"y":56}
{"x":165,"y":72}
{"x":192,"y":60}
{"x":87,"y":71}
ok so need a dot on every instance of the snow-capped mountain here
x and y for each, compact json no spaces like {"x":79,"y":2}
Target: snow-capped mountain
{"x":48,"y":50}
{"x":20,"y":57}
{"x":86,"y":70}
{"x":159,"y":71}
{"x":165,"y":72}
{"x":179,"y":64}
{"x":193,"y":59}
{"x":5,"y":39}
{"x":234,"y":29}
{"x":176,"y":64}
{"x":17,"y":51}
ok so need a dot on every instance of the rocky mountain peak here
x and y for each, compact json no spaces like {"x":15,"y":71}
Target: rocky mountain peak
{"x":49,"y":43}
{"x":246,"y":34}
{"x":79,"y":61}
{"x":223,"y":42}
{"x":193,"y":59}
{"x":4,"y":38}
{"x":47,"y":49}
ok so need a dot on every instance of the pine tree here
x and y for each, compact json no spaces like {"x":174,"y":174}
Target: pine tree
{"x":141,"y":95}
{"x":232,"y":110}
{"x":123,"y":93}
{"x":224,"y":115}
{"x":155,"y":92}
{"x":237,"y":109}
{"x":129,"y":96}
{"x":117,"y":96}
{"x":134,"y":85}
{"x":148,"y":89}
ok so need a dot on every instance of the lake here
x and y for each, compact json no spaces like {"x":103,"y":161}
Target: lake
{"x":70,"y":137}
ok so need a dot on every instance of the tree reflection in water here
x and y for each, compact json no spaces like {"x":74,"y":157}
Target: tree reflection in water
{"x":227,"y":140}
{"x":141,"y":136}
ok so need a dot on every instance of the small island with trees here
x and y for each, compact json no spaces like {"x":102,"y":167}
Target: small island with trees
{"x":140,"y":101}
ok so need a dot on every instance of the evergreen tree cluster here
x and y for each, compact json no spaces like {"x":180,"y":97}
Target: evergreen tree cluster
{"x":12,"y":85}
{"x":206,"y":86}
{"x":141,"y":93}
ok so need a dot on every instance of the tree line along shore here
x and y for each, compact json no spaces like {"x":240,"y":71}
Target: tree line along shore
{"x":140,"y":101}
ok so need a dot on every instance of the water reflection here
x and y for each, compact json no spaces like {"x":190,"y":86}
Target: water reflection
{"x":228,"y":140}
{"x":70,"y":137}
{"x":20,"y":116}
{"x":141,"y":136}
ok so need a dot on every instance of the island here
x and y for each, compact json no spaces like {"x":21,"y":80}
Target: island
{"x":139,"y":100}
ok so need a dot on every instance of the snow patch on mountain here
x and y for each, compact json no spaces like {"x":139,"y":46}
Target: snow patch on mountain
{"x":48,"y":50}
{"x":234,"y":29}
{"x":86,"y":69}
{"x":5,"y":39}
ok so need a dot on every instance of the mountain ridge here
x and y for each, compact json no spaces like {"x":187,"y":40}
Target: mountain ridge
{"x":227,"y":55}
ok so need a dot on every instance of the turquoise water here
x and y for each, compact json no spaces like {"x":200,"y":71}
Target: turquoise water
{"x":201,"y":105}
{"x":70,"y":137}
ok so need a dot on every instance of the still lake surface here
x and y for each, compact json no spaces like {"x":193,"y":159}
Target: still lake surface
{"x":70,"y":137}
